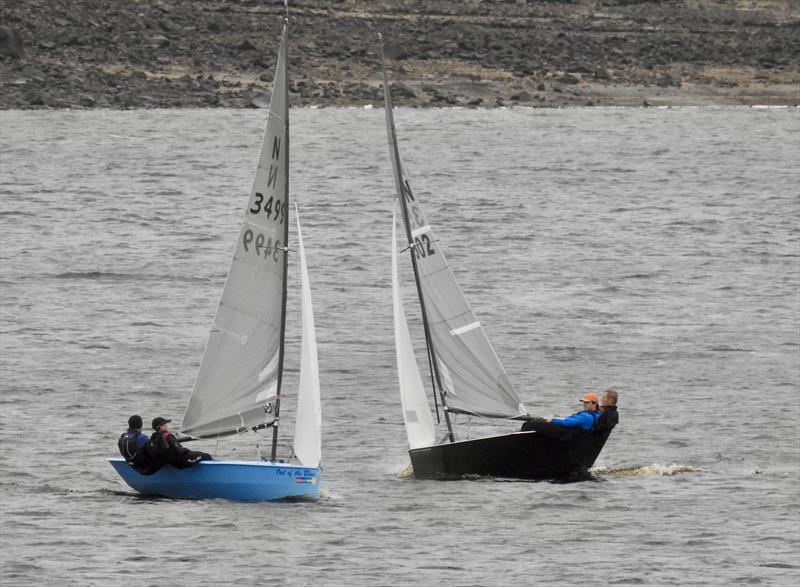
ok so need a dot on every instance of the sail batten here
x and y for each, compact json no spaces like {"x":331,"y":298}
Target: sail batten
{"x":419,"y":231}
{"x":467,"y":328}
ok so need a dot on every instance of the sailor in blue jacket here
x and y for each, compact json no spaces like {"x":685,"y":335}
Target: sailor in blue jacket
{"x":132,"y":447}
{"x":584,"y":419}
{"x":133,"y":440}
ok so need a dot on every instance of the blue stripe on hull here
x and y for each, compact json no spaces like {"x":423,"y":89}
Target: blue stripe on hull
{"x":232,"y":480}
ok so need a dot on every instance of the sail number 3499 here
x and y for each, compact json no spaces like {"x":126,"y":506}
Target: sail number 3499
{"x":275,"y":212}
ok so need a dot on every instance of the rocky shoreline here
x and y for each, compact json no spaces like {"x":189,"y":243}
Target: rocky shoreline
{"x":177,"y":53}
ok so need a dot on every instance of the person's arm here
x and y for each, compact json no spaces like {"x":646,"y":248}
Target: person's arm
{"x":177,"y":446}
{"x":580,"y":419}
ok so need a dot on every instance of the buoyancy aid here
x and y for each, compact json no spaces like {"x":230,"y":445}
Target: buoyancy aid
{"x":158,"y":445}
{"x":609,"y":417}
{"x":164,"y":448}
{"x":134,"y":451}
{"x":129,"y":444}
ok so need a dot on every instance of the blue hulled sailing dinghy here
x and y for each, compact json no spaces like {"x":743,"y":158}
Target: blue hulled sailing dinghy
{"x":466,"y":373}
{"x":239,"y":383}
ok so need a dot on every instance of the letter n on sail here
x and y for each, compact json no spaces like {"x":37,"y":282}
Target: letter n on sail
{"x":407,"y":191}
{"x":276,"y":148}
{"x":273,"y":176}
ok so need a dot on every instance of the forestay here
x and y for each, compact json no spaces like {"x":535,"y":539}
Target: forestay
{"x":469,"y":370}
{"x":237,"y":382}
{"x":420,"y":427}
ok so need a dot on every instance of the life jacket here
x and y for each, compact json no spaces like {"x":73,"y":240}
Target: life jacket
{"x":136,"y":457}
{"x":164,"y":449}
{"x":128,"y":445}
{"x":158,"y":446}
{"x":608,"y":419}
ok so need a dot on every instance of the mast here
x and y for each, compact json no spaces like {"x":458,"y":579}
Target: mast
{"x":276,"y":422}
{"x":411,"y":246}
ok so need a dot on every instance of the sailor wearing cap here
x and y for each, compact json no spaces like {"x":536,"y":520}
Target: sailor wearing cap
{"x":584,"y":419}
{"x":159,"y":422}
{"x":164,"y":449}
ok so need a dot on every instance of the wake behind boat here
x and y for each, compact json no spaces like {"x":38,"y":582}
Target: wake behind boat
{"x":467,"y":376}
{"x":239,"y":383}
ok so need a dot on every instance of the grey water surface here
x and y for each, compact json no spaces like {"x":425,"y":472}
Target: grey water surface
{"x":653,"y":250}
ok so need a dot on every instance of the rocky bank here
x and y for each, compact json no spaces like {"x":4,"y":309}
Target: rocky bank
{"x":220,"y":53}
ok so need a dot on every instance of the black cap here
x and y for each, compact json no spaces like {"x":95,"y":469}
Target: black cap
{"x":135,"y":422}
{"x":159,"y":421}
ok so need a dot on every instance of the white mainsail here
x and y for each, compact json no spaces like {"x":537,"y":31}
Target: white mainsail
{"x":420,"y":427}
{"x":308,"y":427}
{"x":471,"y":373}
{"x":237,"y":381}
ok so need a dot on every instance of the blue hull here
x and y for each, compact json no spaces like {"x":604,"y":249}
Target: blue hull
{"x":232,"y":480}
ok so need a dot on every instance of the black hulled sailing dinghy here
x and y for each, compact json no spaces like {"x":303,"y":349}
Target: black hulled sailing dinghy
{"x":467,"y":374}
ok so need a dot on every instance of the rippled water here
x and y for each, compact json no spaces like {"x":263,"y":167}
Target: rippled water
{"x":656,"y":251}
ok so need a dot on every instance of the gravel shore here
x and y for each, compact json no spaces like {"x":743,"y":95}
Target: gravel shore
{"x":202,"y":53}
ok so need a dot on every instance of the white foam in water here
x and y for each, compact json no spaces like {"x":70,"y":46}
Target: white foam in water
{"x":405,"y":470}
{"x":654,"y":470}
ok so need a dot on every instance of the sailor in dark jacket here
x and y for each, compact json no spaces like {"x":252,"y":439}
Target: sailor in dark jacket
{"x":608,"y":408}
{"x":164,"y":448}
{"x":132,"y":447}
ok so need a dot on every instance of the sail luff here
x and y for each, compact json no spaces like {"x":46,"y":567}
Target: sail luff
{"x":398,"y":176}
{"x":283,"y":61}
{"x":308,"y":425}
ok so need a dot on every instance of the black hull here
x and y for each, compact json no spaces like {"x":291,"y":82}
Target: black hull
{"x":520,"y":455}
